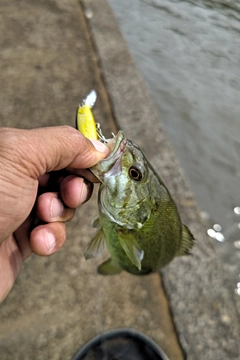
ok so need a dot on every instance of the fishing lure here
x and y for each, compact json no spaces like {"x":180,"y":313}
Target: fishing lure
{"x":85,"y":122}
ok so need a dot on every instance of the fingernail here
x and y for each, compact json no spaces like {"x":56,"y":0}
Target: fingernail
{"x":56,"y":208}
{"x":50,"y":240}
{"x":100,"y":146}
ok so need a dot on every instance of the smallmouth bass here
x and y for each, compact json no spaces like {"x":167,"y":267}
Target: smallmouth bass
{"x":138,"y":220}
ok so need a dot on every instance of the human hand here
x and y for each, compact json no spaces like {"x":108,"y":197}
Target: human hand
{"x":38,"y":193}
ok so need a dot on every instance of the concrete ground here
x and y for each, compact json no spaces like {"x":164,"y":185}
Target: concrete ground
{"x":52,"y":54}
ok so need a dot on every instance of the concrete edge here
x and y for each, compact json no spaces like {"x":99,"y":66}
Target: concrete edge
{"x":203,"y":307}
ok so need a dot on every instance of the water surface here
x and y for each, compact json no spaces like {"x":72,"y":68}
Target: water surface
{"x":188,"y":53}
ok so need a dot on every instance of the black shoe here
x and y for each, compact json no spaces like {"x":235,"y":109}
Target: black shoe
{"x":121,"y":344}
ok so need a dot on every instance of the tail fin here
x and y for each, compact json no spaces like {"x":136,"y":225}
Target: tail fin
{"x":187,"y":241}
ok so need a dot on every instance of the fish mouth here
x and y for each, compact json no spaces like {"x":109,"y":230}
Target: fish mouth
{"x":111,"y":164}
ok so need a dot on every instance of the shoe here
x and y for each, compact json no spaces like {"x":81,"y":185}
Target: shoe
{"x":121,"y":344}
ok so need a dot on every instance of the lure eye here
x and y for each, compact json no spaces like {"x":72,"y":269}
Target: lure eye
{"x":135,"y":173}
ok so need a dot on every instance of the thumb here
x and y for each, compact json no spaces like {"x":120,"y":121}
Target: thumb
{"x":53,"y":148}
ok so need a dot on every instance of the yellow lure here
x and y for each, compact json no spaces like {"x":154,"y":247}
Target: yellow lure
{"x":85,"y":122}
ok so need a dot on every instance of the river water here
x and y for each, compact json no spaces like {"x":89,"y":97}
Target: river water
{"x":188,"y":53}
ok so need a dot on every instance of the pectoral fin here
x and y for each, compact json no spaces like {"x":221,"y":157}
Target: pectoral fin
{"x":96,"y":223}
{"x":96,"y":246}
{"x":132,"y":249}
{"x":109,"y":267}
{"x":187,"y":241}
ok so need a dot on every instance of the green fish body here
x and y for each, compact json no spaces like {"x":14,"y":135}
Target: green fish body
{"x":138,"y":220}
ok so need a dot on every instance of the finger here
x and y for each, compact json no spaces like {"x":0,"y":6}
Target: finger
{"x":85,"y":173}
{"x":22,"y":238}
{"x":55,"y":148}
{"x":43,"y":180}
{"x":51,"y":181}
{"x":47,"y":239}
{"x":50,"y":208}
{"x":75,"y":191}
{"x":10,"y":265}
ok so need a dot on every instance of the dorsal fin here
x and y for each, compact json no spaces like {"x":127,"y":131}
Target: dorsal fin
{"x":96,"y":246}
{"x":187,"y":241}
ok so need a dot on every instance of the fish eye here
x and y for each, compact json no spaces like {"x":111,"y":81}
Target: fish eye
{"x":135,"y":173}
